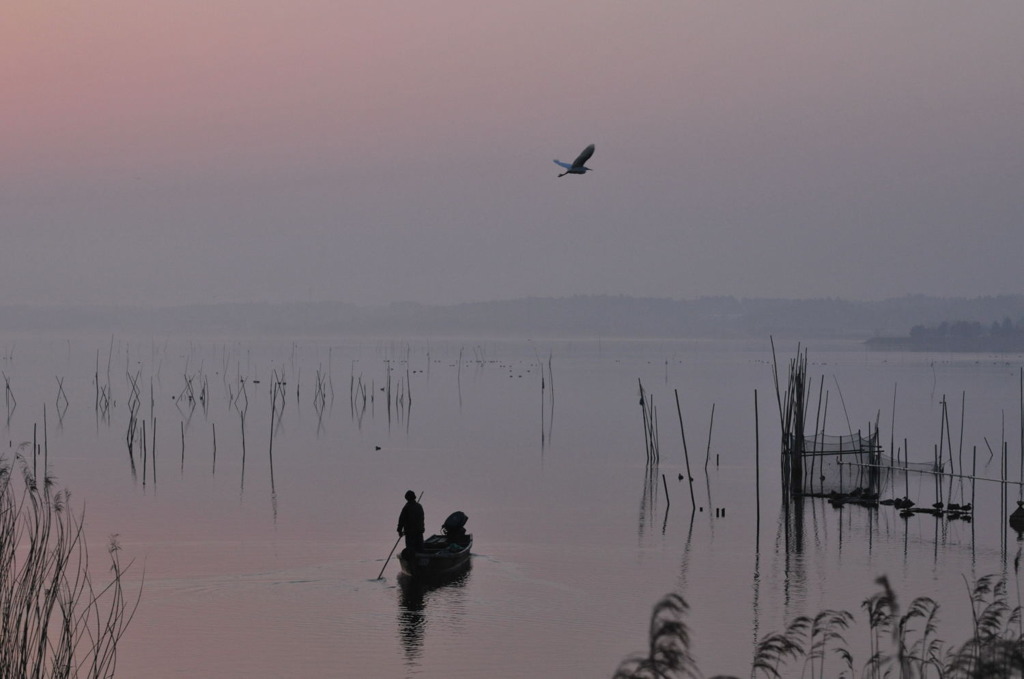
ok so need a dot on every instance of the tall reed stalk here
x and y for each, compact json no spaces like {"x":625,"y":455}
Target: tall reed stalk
{"x":56,"y":621}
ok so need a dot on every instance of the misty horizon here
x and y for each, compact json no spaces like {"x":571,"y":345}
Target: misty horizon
{"x":583,"y":317}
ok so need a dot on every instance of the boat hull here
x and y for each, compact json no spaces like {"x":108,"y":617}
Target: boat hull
{"x":439,"y":558}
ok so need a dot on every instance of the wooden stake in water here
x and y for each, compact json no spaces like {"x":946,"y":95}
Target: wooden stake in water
{"x":707,"y":454}
{"x":46,"y":448}
{"x":974,"y":474}
{"x":242,"y":421}
{"x":818,"y":427}
{"x":942,"y":430}
{"x":273,"y":413}
{"x":647,"y":428}
{"x":145,"y":459}
{"x":892,"y":435}
{"x":906,"y":469}
{"x":960,"y":450}
{"x":154,"y":451}
{"x":686,"y":454}
{"x":757,"y":472}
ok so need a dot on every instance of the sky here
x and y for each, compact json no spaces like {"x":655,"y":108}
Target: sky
{"x":197,"y":151}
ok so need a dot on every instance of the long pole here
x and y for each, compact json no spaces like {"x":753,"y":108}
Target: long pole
{"x":974,"y":474}
{"x":906,"y":468}
{"x":757,"y":469}
{"x":707,"y":455}
{"x":686,"y":453}
{"x":381,"y":574}
{"x":46,"y":449}
{"x":892,"y":437}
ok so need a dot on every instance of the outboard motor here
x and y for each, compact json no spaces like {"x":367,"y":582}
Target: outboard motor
{"x":455,"y":526}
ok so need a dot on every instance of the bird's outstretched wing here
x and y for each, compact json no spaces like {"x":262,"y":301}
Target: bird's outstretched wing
{"x":583,"y":157}
{"x":567,"y":166}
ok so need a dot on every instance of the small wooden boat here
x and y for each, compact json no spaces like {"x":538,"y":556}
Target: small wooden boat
{"x":441,"y":555}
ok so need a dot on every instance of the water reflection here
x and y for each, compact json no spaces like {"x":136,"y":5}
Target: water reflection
{"x":794,"y":574}
{"x":649,"y":501}
{"x":415,"y":600}
{"x":412,"y":619}
{"x":685,"y":566}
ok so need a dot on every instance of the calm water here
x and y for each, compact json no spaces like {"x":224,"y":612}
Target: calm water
{"x":264,"y":564}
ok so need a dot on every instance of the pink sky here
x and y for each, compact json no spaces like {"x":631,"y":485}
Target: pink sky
{"x":179,"y":152}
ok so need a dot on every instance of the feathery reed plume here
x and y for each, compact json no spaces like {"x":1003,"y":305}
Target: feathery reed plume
{"x":997,"y":648}
{"x":901,"y":646}
{"x":669,"y":652}
{"x":906,"y":646}
{"x":57,"y":622}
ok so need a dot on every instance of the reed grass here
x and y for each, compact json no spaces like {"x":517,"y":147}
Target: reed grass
{"x":56,"y":621}
{"x":9,"y":399}
{"x":650,"y":421}
{"x":903,"y":645}
{"x":668,"y":654}
{"x":62,"y":401}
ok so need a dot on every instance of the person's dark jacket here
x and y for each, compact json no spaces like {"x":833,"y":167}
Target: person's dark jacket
{"x":411,"y":519}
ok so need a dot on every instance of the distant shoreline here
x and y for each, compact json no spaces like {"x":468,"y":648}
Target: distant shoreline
{"x":979,"y":345}
{"x":1004,"y":335}
{"x":913,"y":322}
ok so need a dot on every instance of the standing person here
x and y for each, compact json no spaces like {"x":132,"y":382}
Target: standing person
{"x":411,"y":523}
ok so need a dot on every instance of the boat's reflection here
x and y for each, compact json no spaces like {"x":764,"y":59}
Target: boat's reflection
{"x":417,"y":597}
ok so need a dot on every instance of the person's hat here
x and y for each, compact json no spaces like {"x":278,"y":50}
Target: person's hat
{"x":409,"y":495}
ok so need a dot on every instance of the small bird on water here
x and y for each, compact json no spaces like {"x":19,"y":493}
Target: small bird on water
{"x":578,"y":166}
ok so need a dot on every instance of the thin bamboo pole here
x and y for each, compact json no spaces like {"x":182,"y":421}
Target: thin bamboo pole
{"x":145,"y":459}
{"x":707,"y":455}
{"x":757,"y":472}
{"x":960,"y":446}
{"x":686,"y":453}
{"x":46,"y":447}
{"x":154,"y":451}
{"x":906,"y":470}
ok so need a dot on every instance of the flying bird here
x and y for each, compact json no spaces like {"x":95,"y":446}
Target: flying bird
{"x":579,"y":165}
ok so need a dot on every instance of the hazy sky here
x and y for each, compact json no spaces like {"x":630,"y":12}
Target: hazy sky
{"x":171,"y":152}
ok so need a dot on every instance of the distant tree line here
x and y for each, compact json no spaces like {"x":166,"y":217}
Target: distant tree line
{"x":966,"y":330}
{"x":1005,"y":336}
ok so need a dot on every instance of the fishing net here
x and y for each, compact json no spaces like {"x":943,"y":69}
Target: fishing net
{"x":841,"y":464}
